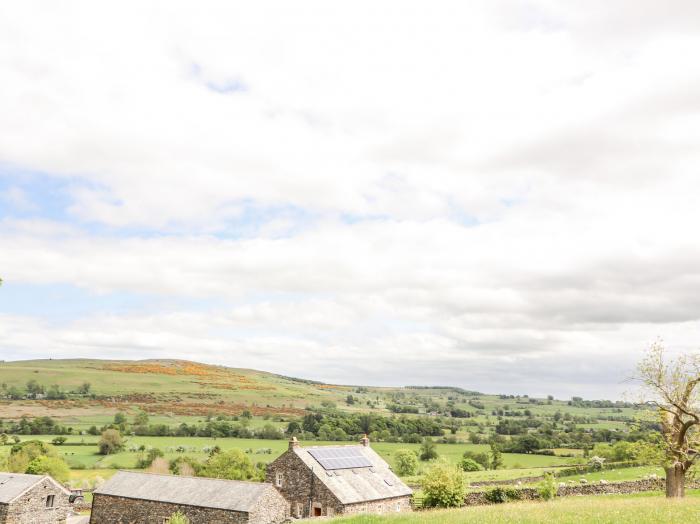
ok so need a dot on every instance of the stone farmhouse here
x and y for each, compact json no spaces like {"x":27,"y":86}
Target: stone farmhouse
{"x":32,"y":499}
{"x":146,"y":498}
{"x":331,"y":480}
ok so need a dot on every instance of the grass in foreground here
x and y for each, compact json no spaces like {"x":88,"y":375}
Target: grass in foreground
{"x":611,"y":509}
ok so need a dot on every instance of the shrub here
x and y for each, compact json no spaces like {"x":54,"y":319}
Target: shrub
{"x":547,"y":489}
{"x":232,"y":465}
{"x":428,"y":450}
{"x":110,"y":442}
{"x":444,"y":486}
{"x":468,"y":464}
{"x":52,"y":466}
{"x":499,"y":495}
{"x":480,"y":458}
{"x":178,"y":518}
{"x":58,"y":441}
{"x":145,"y":462}
{"x":406,"y":462}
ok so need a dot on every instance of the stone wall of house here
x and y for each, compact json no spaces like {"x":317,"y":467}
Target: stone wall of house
{"x":31,"y":508}
{"x":107,"y":509}
{"x":395,"y":505}
{"x":270,"y":508}
{"x":301,"y":488}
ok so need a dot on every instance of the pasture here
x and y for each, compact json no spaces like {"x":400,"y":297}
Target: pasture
{"x":645,"y":508}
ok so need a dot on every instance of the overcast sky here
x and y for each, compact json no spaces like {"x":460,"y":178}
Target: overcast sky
{"x":499,"y":195}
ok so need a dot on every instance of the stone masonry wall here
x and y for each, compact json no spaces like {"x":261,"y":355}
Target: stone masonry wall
{"x":31,"y":508}
{"x":107,"y":509}
{"x":619,"y":488}
{"x":301,"y":487}
{"x":270,"y":508}
{"x":395,"y":505}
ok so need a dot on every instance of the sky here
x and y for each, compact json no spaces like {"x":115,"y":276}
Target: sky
{"x":498,"y":195}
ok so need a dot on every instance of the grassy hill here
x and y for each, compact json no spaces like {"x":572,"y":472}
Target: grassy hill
{"x":172,"y":387}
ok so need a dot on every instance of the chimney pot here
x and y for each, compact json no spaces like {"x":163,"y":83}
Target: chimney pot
{"x":365,"y":440}
{"x":293,"y":443}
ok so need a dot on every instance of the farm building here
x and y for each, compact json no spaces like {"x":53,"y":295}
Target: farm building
{"x":147,"y":498}
{"x":328,"y":480}
{"x":32,"y":499}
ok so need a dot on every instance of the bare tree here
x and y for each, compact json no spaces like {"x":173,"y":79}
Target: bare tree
{"x":671,"y":387}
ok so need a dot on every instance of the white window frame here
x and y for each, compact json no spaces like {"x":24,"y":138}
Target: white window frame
{"x":300,"y":510}
{"x":279,"y":479}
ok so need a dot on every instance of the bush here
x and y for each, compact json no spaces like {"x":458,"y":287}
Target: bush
{"x":145,"y":462}
{"x":110,"y":442}
{"x":444,"y":486}
{"x":58,"y":441}
{"x":547,"y":489}
{"x":480,"y":458}
{"x":178,"y":518}
{"x":468,"y":464}
{"x":232,"y":465}
{"x":52,"y":466}
{"x":499,"y":495}
{"x":406,"y":462}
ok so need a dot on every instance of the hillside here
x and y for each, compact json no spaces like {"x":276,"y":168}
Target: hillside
{"x":180,"y":390}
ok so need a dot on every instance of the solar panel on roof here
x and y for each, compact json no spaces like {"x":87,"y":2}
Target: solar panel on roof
{"x":340,"y":458}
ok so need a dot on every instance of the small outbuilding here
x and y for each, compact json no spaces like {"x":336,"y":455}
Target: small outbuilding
{"x":32,"y":499}
{"x":332,"y":480}
{"x":147,"y":498}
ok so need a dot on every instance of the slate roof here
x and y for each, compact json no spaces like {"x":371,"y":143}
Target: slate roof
{"x":232,"y":495}
{"x":12,"y":485}
{"x":357,"y":485}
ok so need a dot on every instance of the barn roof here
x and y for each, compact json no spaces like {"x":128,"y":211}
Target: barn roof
{"x":232,"y":495}
{"x":12,"y":485}
{"x":359,"y":484}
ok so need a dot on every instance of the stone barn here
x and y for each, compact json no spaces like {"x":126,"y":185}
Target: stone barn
{"x":32,"y":499}
{"x":331,"y":480}
{"x":146,"y":498}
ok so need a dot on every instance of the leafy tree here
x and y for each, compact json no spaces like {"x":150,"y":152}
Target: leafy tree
{"x":232,"y":465}
{"x":496,"y":456}
{"x":110,"y":442}
{"x":34,"y":388}
{"x":52,"y":466}
{"x":406,"y":462}
{"x":547,"y":488}
{"x":671,"y":387}
{"x":141,"y":418}
{"x":444,"y":485}
{"x":84,"y":388}
{"x":151,"y":455}
{"x":59,"y":441}
{"x":428,"y":450}
{"x":120,"y":418}
{"x":3,"y":439}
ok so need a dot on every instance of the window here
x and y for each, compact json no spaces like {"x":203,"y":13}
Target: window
{"x":278,"y":479}
{"x":329,"y":512}
{"x":398,"y":506}
{"x":380,"y":508}
{"x":300,"y":509}
{"x":50,"y":501}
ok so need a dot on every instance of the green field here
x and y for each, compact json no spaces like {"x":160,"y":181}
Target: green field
{"x":647,"y":508}
{"x":85,"y":455}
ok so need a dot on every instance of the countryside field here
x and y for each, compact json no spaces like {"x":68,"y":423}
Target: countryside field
{"x":609,"y":509}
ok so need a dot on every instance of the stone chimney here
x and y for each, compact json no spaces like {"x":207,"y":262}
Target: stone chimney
{"x":365,"y":440}
{"x":293,"y":443}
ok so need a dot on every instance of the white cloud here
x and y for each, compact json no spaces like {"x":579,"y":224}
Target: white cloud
{"x":482,"y":191}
